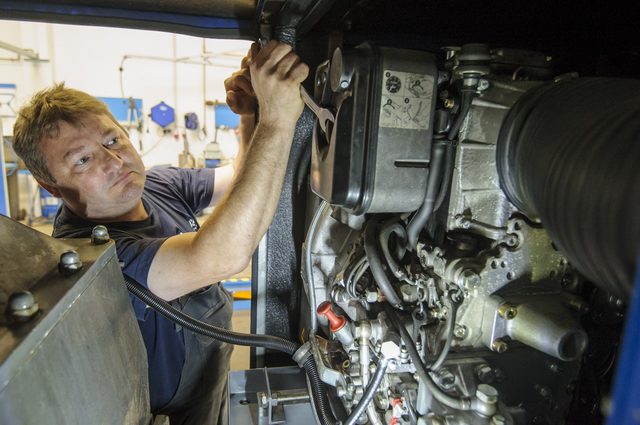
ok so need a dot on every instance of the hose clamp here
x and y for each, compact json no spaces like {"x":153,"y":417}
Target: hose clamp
{"x":302,"y":354}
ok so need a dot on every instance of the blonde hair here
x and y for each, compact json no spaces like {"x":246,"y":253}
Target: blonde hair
{"x":40,"y":118}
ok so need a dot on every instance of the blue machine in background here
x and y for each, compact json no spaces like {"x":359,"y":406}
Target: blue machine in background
{"x":225,"y":117}
{"x":120,"y":107}
{"x":163,"y":114}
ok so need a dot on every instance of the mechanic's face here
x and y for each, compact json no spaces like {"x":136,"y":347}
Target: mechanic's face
{"x":98,"y":173}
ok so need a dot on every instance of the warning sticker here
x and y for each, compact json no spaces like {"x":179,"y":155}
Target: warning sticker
{"x":406,"y":100}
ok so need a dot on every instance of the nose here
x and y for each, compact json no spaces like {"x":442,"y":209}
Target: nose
{"x":111,"y":161}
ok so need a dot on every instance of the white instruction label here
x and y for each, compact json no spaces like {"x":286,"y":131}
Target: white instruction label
{"x":406,"y":100}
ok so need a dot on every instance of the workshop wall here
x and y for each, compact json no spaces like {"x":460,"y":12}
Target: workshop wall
{"x":89,"y":58}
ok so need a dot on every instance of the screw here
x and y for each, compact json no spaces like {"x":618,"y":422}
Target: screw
{"x":445,"y":379}
{"x":460,"y":331}
{"x":22,"y":306}
{"x":449,"y":103}
{"x":344,"y":84}
{"x":483,"y":85}
{"x":99,"y":235}
{"x":485,"y":374}
{"x":511,"y":240}
{"x":507,"y":311}
{"x":499,"y":346}
{"x":69,"y":263}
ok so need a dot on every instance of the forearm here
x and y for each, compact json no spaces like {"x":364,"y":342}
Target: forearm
{"x":247,"y":126}
{"x":250,"y":203}
{"x":224,"y":244}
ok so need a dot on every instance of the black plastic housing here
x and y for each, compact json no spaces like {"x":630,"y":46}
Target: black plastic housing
{"x":376,"y":157}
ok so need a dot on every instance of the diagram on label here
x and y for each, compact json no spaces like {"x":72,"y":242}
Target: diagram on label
{"x":406,"y":100}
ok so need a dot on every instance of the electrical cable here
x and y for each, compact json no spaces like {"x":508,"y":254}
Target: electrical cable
{"x":459,"y":403}
{"x":264,"y":341}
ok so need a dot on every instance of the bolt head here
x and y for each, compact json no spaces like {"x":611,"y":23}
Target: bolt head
{"x":483,"y":84}
{"x":99,"y":235}
{"x":460,"y":331}
{"x":69,"y":262}
{"x":507,"y":311}
{"x":487,"y":394}
{"x":499,"y":346}
{"x":22,"y":305}
{"x":344,"y":84}
{"x":470,"y":279}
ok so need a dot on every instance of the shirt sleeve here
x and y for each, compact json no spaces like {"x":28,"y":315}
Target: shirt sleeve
{"x":136,"y":255}
{"x":195,"y":185}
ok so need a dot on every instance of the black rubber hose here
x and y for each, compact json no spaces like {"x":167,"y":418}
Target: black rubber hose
{"x":394,"y":227}
{"x":420,"y":218}
{"x":567,"y":154}
{"x":459,"y":403}
{"x":318,"y":392}
{"x":194,"y":325}
{"x":450,"y":154}
{"x":374,"y":384}
{"x":375,"y":264}
{"x":264,"y":341}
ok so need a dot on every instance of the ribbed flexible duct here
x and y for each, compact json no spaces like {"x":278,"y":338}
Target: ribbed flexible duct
{"x":569,"y":154}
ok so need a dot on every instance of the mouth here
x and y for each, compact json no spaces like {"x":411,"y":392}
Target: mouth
{"x":124,"y":178}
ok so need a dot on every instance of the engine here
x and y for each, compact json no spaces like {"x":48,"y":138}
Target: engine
{"x":446,"y":264}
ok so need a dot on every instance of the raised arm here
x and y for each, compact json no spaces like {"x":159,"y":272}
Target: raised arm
{"x":226,"y":241}
{"x":241,"y":99}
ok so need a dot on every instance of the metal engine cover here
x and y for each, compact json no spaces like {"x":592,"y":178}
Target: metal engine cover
{"x":80,"y":358}
{"x":375,"y":157}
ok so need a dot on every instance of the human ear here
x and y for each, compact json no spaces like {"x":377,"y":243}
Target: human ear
{"x":51,"y":188}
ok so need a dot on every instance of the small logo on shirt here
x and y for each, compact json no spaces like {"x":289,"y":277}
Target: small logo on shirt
{"x":193,"y":224}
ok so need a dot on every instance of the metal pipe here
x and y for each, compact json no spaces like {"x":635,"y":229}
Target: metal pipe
{"x":369,"y":392}
{"x":20,"y":51}
{"x":550,"y":329}
{"x":324,"y":206}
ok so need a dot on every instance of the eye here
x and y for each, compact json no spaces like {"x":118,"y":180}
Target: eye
{"x":82,"y":160}
{"x":112,"y":142}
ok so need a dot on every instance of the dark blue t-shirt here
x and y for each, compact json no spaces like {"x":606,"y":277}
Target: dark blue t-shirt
{"x":172,"y":197}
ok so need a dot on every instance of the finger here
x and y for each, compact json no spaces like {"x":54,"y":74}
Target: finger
{"x":273,"y":56}
{"x":287,"y":63}
{"x":232,"y":100}
{"x":242,"y":83}
{"x":299,"y":72}
{"x":253,"y":50}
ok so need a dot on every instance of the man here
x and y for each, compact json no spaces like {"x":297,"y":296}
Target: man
{"x":77,"y":151}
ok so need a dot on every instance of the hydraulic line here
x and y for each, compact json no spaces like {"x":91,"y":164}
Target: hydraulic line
{"x":369,"y":392}
{"x":394,"y":227}
{"x":421,"y":217}
{"x":459,"y":403}
{"x":375,"y":264}
{"x":264,"y":341}
{"x":451,"y":324}
{"x":439,"y":172}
